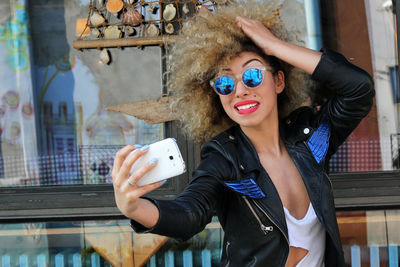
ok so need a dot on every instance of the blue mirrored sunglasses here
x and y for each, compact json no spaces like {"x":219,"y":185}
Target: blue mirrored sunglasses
{"x":251,"y":78}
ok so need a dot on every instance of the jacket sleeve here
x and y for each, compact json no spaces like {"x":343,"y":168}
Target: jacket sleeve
{"x":192,"y":209}
{"x":353,"y":100}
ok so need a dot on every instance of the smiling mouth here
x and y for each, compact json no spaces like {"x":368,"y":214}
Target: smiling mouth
{"x":248,"y":106}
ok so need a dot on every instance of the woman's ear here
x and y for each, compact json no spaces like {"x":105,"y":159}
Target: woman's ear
{"x":279,"y":78}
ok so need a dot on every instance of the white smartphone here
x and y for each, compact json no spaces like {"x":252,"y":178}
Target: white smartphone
{"x":170,"y":162}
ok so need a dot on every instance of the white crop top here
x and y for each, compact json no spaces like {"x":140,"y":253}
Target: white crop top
{"x":307,"y":233}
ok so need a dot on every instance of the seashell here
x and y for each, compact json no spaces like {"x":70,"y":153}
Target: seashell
{"x":169,"y":28}
{"x":132,"y":17}
{"x":152,"y":30}
{"x":169,"y":12}
{"x":129,"y":30}
{"x":153,"y":8}
{"x":95,"y":32}
{"x":96,"y":19}
{"x":114,"y":6}
{"x":112,"y":32}
{"x":104,"y":56}
{"x":185,"y":9}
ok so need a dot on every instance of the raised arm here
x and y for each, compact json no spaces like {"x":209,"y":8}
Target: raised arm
{"x":353,"y":86}
{"x":297,"y":56}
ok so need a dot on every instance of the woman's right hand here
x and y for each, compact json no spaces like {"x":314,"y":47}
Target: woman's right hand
{"x":127,"y":193}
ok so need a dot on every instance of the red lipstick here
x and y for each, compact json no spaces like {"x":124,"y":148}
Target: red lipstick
{"x":247,"y":107}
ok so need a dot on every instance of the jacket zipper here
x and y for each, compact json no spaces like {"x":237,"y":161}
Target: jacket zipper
{"x":264,"y":228}
{"x":269,"y":218}
{"x":227,"y":255}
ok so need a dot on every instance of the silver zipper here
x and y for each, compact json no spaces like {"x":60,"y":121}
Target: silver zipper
{"x":265,"y":229}
{"x":283,"y":233}
{"x":227,"y":256}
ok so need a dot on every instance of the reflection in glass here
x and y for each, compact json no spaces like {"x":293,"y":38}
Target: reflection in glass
{"x":54,"y":129}
{"x":102,"y":243}
{"x":370,"y":238}
{"x":370,"y":43}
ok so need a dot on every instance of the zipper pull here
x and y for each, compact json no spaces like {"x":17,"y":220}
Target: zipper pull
{"x":266,"y":229}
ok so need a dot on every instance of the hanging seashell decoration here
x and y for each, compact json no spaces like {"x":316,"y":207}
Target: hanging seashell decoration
{"x":132,"y":17}
{"x":95,"y":32}
{"x":96,"y":19}
{"x":132,"y":21}
{"x":152,"y":30}
{"x":169,"y":28}
{"x":114,"y":6}
{"x":104,"y":56}
{"x":169,"y":12}
{"x":112,"y":32}
{"x":129,"y":30}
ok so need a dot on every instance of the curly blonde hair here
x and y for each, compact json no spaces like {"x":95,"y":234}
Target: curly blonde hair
{"x":207,"y":40}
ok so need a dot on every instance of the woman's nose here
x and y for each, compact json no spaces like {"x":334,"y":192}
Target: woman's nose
{"x":241,"y":90}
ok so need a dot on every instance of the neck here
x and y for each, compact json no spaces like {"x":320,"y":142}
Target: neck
{"x":265,"y":137}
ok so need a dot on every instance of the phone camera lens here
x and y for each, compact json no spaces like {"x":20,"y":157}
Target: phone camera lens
{"x":171,"y":157}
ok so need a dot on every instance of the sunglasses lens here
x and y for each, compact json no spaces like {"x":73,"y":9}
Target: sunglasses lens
{"x":224,"y":85}
{"x":252,"y":77}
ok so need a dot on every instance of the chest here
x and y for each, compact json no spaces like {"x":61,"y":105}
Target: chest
{"x":288,"y":183}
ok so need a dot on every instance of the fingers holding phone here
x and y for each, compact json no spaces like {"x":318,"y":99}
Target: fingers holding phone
{"x":138,"y":170}
{"x":169,"y":162}
{"x":126,"y":192}
{"x":136,"y":175}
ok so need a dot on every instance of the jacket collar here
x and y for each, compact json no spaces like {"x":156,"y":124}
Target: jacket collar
{"x":291,"y":130}
{"x":248,"y":156}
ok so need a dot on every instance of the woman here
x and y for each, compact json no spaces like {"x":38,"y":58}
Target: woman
{"x":264,"y":176}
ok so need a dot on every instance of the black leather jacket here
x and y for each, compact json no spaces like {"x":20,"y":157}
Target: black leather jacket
{"x":231,"y":182}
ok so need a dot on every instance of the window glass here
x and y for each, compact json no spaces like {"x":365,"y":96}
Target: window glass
{"x":53,"y":124}
{"x":365,"y":32}
{"x":369,"y":238}
{"x":103,"y":243}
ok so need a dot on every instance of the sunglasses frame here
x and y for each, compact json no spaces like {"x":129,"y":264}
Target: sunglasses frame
{"x":236,"y":78}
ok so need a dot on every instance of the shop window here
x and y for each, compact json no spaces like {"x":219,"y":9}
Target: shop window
{"x":103,"y":243}
{"x":365,"y":32}
{"x":370,"y":238}
{"x":54,"y":127}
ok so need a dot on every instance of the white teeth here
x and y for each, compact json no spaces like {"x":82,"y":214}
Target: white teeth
{"x":246,"y":106}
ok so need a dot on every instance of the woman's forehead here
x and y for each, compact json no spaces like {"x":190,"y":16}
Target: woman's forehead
{"x":243,"y":60}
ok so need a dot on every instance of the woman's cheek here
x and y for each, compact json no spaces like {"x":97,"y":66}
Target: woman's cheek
{"x":227,"y":107}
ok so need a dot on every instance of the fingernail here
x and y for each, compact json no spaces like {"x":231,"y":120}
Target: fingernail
{"x":138,"y":146}
{"x":153,"y":161}
{"x":144,"y":147}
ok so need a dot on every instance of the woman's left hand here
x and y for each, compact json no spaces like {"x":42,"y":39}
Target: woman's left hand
{"x":259,"y":34}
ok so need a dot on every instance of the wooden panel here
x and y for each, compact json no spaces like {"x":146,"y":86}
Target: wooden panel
{"x":145,"y":246}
